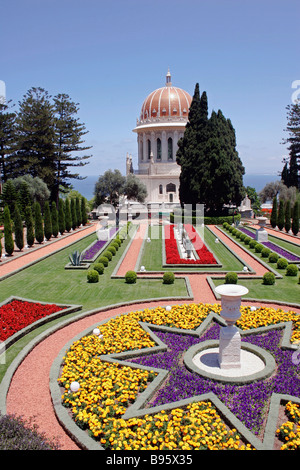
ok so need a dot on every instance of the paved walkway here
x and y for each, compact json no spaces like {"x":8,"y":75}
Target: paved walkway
{"x":35,"y":401}
{"x":22,"y":260}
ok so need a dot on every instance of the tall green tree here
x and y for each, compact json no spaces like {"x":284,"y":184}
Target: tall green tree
{"x":61,"y":216}
{"x":73,"y":213}
{"x":78,"y":211}
{"x":38,"y":223}
{"x":69,"y":133}
{"x":273,"y":218}
{"x":9,"y":196}
{"x":68,"y":215}
{"x":47,"y":221}
{"x":292,"y":164}
{"x":295,"y":220}
{"x":19,"y":231}
{"x":287,"y":216}
{"x":83,"y":211}
{"x":7,"y":142}
{"x":29,"y":226}
{"x":54,"y":219}
{"x":211,"y":170}
{"x":8,"y":234}
{"x":280,"y":218}
{"x":36,"y":137}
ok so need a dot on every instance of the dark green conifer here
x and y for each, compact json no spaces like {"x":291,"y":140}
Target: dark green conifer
{"x":61,"y":216}
{"x":38,"y":223}
{"x":295,"y":221}
{"x":83,"y":211}
{"x":73,"y":213}
{"x":54,"y":219}
{"x":47,"y":221}
{"x":19,"y":231}
{"x":78,"y":211}
{"x":29,"y":226}
{"x":280,"y":218}
{"x":287,"y":216}
{"x":68,"y":215}
{"x":273,"y":219}
{"x":8,"y":237}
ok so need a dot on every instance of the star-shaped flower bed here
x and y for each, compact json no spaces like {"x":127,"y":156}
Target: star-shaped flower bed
{"x":137,"y":393}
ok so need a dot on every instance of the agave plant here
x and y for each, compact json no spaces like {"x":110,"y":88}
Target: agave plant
{"x":75,"y":258}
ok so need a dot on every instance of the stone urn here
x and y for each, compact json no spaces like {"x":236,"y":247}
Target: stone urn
{"x":103,"y":231}
{"x":261,"y":234}
{"x":230,"y":339}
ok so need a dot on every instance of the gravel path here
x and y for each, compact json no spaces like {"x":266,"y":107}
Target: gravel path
{"x":29,"y":394}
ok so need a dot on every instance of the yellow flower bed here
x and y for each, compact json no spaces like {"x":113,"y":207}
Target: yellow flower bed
{"x":289,"y":432}
{"x":107,"y":389}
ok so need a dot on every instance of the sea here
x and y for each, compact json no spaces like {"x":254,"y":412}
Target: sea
{"x":86,"y":187}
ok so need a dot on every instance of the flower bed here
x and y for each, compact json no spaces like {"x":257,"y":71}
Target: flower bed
{"x":172,"y":255}
{"x":16,"y":315}
{"x":108,"y":389}
{"x":95,"y":249}
{"x":277,"y":249}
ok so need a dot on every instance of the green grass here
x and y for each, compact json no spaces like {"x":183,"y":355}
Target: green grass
{"x":152,"y":255}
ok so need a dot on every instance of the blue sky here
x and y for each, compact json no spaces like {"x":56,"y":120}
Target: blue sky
{"x":109,"y":55}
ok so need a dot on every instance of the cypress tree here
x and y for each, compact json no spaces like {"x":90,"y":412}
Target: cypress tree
{"x":68,"y":216}
{"x":83,"y":211}
{"x":73,"y":213}
{"x":295,"y":221}
{"x":7,"y":142}
{"x":8,"y":237}
{"x":280,"y":218}
{"x":29,"y":226}
{"x":47,"y":221}
{"x":78,"y":211}
{"x":38,"y":223}
{"x":1,"y":244}
{"x":273,"y":218}
{"x":9,"y":196}
{"x":61,"y":216}
{"x":54,"y":218}
{"x":19,"y":232}
{"x":287,"y":216}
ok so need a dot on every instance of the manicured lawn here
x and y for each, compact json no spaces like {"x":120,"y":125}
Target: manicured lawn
{"x":152,"y":255}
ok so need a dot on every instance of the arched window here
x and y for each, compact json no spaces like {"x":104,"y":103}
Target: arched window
{"x":158,"y":148}
{"x":171,"y":188}
{"x":160,"y":189}
{"x":149,"y":149}
{"x":170,"y":148}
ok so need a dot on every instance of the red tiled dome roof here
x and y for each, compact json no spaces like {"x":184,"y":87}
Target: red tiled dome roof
{"x":166,"y":102}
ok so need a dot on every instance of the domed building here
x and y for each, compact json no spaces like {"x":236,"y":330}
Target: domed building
{"x":162,"y":121}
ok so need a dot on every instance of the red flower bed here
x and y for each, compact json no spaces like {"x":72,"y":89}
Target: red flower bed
{"x":172,"y":255}
{"x":17,"y":314}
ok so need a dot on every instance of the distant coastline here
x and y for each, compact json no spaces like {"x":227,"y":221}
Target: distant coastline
{"x":86,"y":186}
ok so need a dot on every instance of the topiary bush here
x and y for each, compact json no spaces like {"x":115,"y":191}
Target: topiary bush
{"x":108,"y":255}
{"x":269,"y":279}
{"x":258,"y":248}
{"x":168,"y":278}
{"x":231,"y":278}
{"x":292,"y":270}
{"x":282,"y":263}
{"x":247,"y":240}
{"x":253,"y":243}
{"x":112,"y":250}
{"x":92,"y":276}
{"x":273,"y":257}
{"x":265,"y":252}
{"x":130,"y":277}
{"x":242,"y":236}
{"x":99,"y":267}
{"x":103,"y":260}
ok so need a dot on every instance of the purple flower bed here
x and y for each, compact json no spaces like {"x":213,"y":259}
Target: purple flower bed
{"x":273,"y":247}
{"x":91,"y":252}
{"x":248,"y":402}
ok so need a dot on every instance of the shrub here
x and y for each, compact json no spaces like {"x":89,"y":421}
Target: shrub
{"x":19,"y":232}
{"x":8,"y":238}
{"x":108,"y":255}
{"x":115,"y":244}
{"x":259,"y":248}
{"x":253,"y":243}
{"x":29,"y":226}
{"x":265,"y":252}
{"x":247,"y":240}
{"x":231,"y":278}
{"x":117,"y":241}
{"x":54,"y":218}
{"x":292,"y":270}
{"x":269,"y":279}
{"x":47,"y":221}
{"x":130,"y":277}
{"x":38,"y":223}
{"x":103,"y":260}
{"x":282,"y":263}
{"x":99,"y":267}
{"x":168,"y":278}
{"x":92,"y":275}
{"x":243,"y":236}
{"x":273,"y":257}
{"x":112,"y":250}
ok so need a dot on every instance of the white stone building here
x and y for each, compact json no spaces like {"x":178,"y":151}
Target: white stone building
{"x":162,"y":121}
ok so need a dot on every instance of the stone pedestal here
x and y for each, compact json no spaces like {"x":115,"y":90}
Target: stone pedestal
{"x":261,"y":234}
{"x":230,"y":340}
